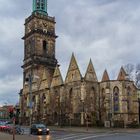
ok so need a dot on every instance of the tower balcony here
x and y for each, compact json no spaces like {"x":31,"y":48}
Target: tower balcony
{"x":40,"y":60}
{"x":40,"y":16}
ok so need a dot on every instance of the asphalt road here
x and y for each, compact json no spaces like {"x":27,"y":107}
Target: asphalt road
{"x":63,"y":135}
{"x":60,"y":135}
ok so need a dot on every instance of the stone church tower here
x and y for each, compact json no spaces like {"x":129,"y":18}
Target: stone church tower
{"x":77,"y":100}
{"x":39,"y":52}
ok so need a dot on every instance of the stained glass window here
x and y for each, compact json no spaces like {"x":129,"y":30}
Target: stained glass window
{"x":116,"y":99}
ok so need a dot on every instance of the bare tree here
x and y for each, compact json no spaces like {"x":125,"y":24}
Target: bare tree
{"x":137,"y":76}
{"x":129,"y":68}
{"x":133,"y":72}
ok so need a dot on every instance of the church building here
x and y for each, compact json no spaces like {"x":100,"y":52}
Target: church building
{"x":77,"y":100}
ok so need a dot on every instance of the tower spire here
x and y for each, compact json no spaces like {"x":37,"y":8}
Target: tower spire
{"x":40,"y":6}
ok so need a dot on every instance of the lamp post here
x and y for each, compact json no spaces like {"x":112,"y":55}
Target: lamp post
{"x":139,"y":109}
{"x":30,"y":96}
{"x":29,"y":79}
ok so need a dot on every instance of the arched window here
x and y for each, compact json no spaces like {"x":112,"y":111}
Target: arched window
{"x":92,"y":93}
{"x":70,"y":100}
{"x":33,"y":100}
{"x":37,"y":4}
{"x":44,"y":47}
{"x":43,"y":98}
{"x":116,"y":99}
{"x":103,"y":94}
{"x":128,"y":98}
{"x":128,"y":91}
{"x":42,"y":5}
{"x":70,"y":94}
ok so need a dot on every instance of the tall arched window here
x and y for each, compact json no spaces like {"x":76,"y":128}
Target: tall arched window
{"x":128,"y":98}
{"x":103,"y":95}
{"x":70,"y":99}
{"x":70,"y":93}
{"x":92,"y":99}
{"x":116,"y":99}
{"x":45,"y":45}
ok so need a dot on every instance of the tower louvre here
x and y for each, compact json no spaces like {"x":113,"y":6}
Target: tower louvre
{"x":40,"y":6}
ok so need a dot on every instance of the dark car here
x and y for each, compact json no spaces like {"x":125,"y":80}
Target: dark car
{"x":39,"y":129}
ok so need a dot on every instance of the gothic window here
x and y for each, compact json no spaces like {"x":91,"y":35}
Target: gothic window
{"x":33,"y":99}
{"x":70,"y":94}
{"x":116,"y":99}
{"x":43,"y":98}
{"x":103,"y":94}
{"x":128,"y":91}
{"x":42,"y":4}
{"x":70,"y":98}
{"x":72,"y":76}
{"x":92,"y":99}
{"x":128,"y":98}
{"x":45,"y":47}
{"x":92,"y":93}
{"x":37,"y":4}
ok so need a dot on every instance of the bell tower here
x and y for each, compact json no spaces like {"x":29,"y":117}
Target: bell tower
{"x":39,"y":42}
{"x":40,"y":6}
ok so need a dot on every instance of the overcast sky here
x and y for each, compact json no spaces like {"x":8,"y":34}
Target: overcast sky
{"x":107,"y":31}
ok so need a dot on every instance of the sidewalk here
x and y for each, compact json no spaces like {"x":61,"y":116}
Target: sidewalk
{"x":93,"y":130}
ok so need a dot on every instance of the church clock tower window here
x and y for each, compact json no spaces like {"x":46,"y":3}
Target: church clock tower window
{"x":40,"y":6}
{"x":45,"y":47}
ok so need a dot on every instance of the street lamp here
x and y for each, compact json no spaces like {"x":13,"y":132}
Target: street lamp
{"x":29,"y":79}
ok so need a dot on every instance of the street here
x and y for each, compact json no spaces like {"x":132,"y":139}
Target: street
{"x":66,"y":135}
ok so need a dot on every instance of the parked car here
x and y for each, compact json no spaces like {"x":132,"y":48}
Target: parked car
{"x":39,"y":129}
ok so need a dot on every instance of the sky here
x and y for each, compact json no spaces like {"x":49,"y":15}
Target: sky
{"x":107,"y":31}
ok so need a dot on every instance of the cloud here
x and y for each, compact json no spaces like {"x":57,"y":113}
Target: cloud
{"x":106,"y":31}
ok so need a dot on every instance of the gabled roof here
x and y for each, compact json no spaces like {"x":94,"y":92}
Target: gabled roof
{"x":57,"y":78}
{"x":73,"y":73}
{"x":90,"y":74}
{"x":105,"y":76}
{"x":122,"y":74}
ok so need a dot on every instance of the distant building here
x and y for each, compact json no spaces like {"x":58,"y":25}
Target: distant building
{"x":78,"y":99}
{"x":4,"y":112}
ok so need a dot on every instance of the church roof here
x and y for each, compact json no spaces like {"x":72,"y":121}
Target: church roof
{"x":105,"y":76}
{"x":122,"y":74}
{"x":57,"y":78}
{"x":73,"y":73}
{"x":90,"y":74}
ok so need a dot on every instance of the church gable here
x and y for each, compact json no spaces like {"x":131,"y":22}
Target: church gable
{"x":57,"y":78}
{"x":90,"y":73}
{"x":122,"y":74}
{"x":73,"y":73}
{"x":105,"y":76}
{"x":44,"y":82}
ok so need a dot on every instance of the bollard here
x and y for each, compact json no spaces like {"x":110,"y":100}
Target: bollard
{"x":13,"y":128}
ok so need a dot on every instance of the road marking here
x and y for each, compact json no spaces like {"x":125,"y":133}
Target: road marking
{"x":79,"y":135}
{"x":69,"y":135}
{"x":96,"y":136}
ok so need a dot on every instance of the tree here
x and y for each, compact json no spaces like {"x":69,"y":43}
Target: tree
{"x":137,"y":76}
{"x":129,"y":69}
{"x":133,"y":72}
